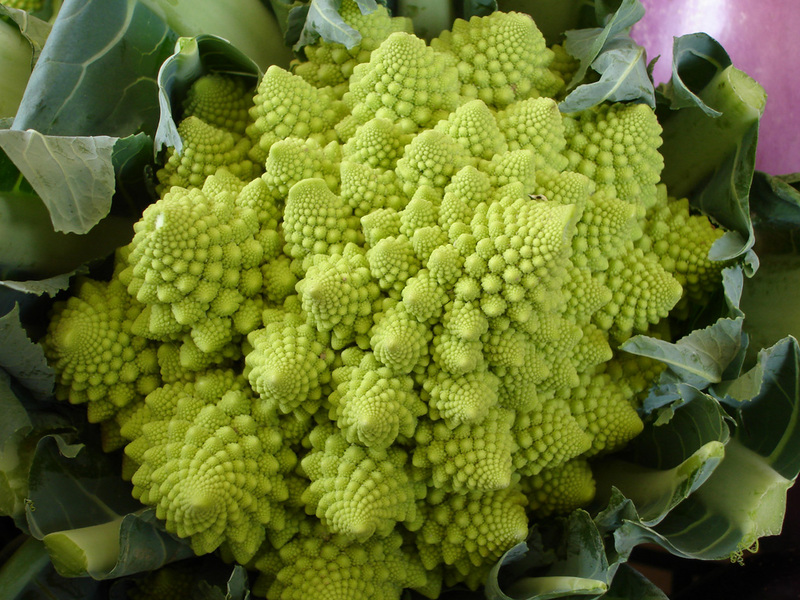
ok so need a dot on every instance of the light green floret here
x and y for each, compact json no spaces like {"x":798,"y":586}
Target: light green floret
{"x":616,"y":145}
{"x":368,"y":189}
{"x":565,"y":187}
{"x":536,"y":124}
{"x":392,"y":262}
{"x":470,"y":185}
{"x":221,"y":101}
{"x":431,"y":159}
{"x":338,"y":294}
{"x":501,"y":58}
{"x":474,"y":127}
{"x":331,"y":64}
{"x":423,"y":297}
{"x":210,"y":471}
{"x":358,"y":491}
{"x":206,"y":148}
{"x":320,"y":564}
{"x":470,"y":531}
{"x":406,"y":82}
{"x":546,"y":437}
{"x":378,"y":143}
{"x":96,"y":356}
{"x":604,"y":231}
{"x":379,"y":224}
{"x":512,"y":167}
{"x":195,"y":262}
{"x":289,"y":365}
{"x":681,"y":241}
{"x":470,"y":457}
{"x":293,"y":159}
{"x":604,"y":409}
{"x":561,"y":490}
{"x":555,"y":338}
{"x":461,"y":398}
{"x":565,"y":66}
{"x":285,"y":105}
{"x":518,"y":384}
{"x":421,"y":211}
{"x":315,"y":221}
{"x":585,"y":295}
{"x":375,"y":405}
{"x":643,"y":293}
{"x":522,"y":244}
{"x":399,"y":340}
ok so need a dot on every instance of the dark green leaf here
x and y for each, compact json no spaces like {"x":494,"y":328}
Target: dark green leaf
{"x":774,"y":410}
{"x":727,"y":198}
{"x":32,"y":252}
{"x":745,"y":496}
{"x":630,"y":584}
{"x":670,"y":460}
{"x":68,"y":93}
{"x":587,"y":44}
{"x":23,"y":359}
{"x":73,"y":487}
{"x":15,"y":418}
{"x":295,"y":21}
{"x":129,"y":544}
{"x":624,"y":77}
{"x":775,"y":202}
{"x":533,"y":571}
{"x":477,"y":8}
{"x":696,"y":59}
{"x":699,"y":358}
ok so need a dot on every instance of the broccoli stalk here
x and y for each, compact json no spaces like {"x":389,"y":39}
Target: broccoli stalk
{"x":92,"y":549}
{"x":688,"y":156}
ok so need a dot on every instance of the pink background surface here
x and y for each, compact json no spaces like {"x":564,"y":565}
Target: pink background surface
{"x":761,"y":37}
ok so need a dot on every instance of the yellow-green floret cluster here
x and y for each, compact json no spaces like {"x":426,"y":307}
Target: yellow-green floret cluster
{"x":370,"y":331}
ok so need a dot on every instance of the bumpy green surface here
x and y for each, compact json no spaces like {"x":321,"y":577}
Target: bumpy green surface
{"x":371,"y":364}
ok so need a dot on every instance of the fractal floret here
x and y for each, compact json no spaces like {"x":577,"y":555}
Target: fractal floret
{"x":376,"y":335}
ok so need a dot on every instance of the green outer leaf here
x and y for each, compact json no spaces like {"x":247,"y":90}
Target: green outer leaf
{"x":587,"y":44}
{"x":624,"y":77}
{"x":777,"y":403}
{"x":670,"y":460}
{"x":68,"y":93}
{"x":630,"y":584}
{"x":699,"y":358}
{"x":726,"y":196}
{"x":15,"y":417}
{"x":577,"y":567}
{"x":324,"y":21}
{"x":745,"y":496}
{"x":74,"y":176}
{"x":193,"y":57}
{"x":23,"y":359}
{"x":775,"y":202}
{"x":65,"y":479}
{"x":696,"y":59}
{"x":133,"y":543}
{"x":33,"y":29}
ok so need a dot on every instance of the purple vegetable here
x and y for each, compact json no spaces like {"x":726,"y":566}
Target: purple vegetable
{"x":760,"y":38}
